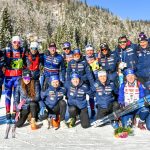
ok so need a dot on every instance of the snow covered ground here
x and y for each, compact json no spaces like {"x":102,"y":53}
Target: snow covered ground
{"x":76,"y":138}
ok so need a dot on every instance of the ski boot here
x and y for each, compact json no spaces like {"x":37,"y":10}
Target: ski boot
{"x":8,"y":126}
{"x":55,"y":121}
{"x":141,"y":125}
{"x":13,"y":126}
{"x":63,"y":124}
{"x":33,"y":124}
{"x":72,"y":122}
{"x":47,"y":123}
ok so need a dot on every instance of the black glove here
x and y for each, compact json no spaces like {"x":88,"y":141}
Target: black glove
{"x":146,"y":104}
{"x":122,"y":106}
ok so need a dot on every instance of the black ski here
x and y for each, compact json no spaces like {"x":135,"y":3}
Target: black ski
{"x":135,"y":105}
{"x":13,"y":130}
{"x":8,"y":126}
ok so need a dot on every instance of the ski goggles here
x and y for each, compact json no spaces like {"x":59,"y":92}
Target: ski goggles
{"x":27,"y":78}
{"x":34,"y":48}
{"x":16,"y":42}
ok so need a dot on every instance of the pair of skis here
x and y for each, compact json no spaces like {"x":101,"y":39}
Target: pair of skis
{"x":122,"y":111}
{"x":11,"y":127}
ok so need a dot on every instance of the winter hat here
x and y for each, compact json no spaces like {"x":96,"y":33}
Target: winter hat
{"x":34,"y":45}
{"x":26,"y":73}
{"x":75,"y":75}
{"x":52,"y":45}
{"x":142,"y":37}
{"x":104,"y":46}
{"x":89,"y":47}
{"x":102,"y":73}
{"x":54,"y":77}
{"x":129,"y":71}
{"x":16,"y":38}
{"x":66,"y":45}
{"x":76,"y":51}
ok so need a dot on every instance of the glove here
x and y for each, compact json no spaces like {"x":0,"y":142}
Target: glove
{"x":21,"y":104}
{"x":17,"y":116}
{"x":122,"y":106}
{"x":43,"y":111}
{"x":146,"y":104}
{"x":122,"y":65}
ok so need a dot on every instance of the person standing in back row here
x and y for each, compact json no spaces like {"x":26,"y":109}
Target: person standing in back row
{"x":14,"y":62}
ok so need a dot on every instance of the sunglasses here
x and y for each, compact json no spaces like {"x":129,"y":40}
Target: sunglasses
{"x":67,"y":48}
{"x":104,"y":49}
{"x":122,"y":42}
{"x":16,"y":42}
{"x":26,"y":78}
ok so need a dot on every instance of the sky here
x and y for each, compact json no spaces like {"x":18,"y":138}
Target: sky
{"x":131,"y":9}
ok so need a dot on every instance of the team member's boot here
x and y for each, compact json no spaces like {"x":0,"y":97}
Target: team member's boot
{"x":33,"y":124}
{"x":72,"y":122}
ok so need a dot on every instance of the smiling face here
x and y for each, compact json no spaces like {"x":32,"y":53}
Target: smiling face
{"x":76,"y":56}
{"x":104,"y":51}
{"x":66,"y":50}
{"x":89,"y":52}
{"x":52,"y":50}
{"x":102,"y":78}
{"x":55,"y":83}
{"x":130,"y":78}
{"x":143,"y":44}
{"x":33,"y":51}
{"x":123,"y":43}
{"x":26,"y":80}
{"x":16,"y":44}
{"x":75,"y":81}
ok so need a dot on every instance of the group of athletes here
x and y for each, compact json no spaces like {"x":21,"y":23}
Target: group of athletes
{"x":45,"y":84}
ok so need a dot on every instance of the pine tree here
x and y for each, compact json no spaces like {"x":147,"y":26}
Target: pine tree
{"x":6,"y":28}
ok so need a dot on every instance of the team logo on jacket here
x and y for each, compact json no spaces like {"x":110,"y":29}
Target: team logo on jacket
{"x":55,"y":61}
{"x":60,"y":94}
{"x":52,"y":95}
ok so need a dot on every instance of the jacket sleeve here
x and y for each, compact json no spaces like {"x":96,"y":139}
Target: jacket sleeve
{"x":37,"y":90}
{"x":41,"y":59}
{"x":43,"y":97}
{"x":89,"y":74}
{"x":142,"y":91}
{"x":69,"y":70}
{"x":63,"y":69}
{"x":121,"y":94}
{"x":24,"y":58}
{"x":88,"y":90}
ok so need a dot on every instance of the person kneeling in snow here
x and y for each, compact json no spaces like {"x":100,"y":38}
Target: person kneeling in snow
{"x":76,"y":92}
{"x":52,"y":103}
{"x":129,"y":92}
{"x":26,"y":99}
{"x":105,"y":96}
